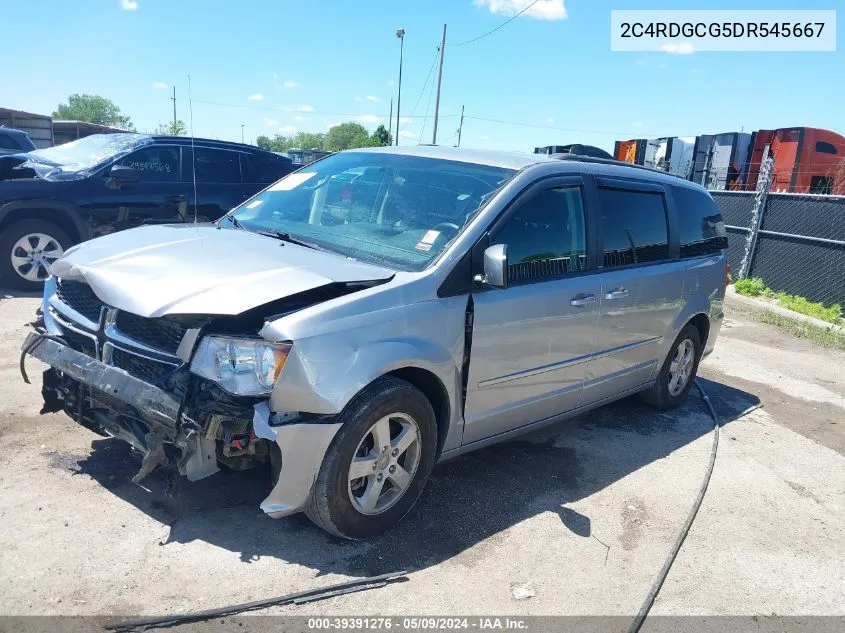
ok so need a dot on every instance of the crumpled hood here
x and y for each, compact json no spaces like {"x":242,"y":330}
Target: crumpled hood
{"x":200,"y":269}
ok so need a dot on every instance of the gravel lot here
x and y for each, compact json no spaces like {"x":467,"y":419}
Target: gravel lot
{"x":584,"y":512}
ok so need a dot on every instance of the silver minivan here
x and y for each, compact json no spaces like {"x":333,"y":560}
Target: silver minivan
{"x":380,"y":310}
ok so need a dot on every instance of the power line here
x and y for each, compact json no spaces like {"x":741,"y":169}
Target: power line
{"x":422,"y":92}
{"x":428,"y":105}
{"x":505,"y":23}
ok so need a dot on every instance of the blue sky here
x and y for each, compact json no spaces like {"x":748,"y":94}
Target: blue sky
{"x":281,"y":65}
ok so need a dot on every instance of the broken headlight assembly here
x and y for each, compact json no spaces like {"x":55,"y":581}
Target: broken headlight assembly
{"x":242,"y":366}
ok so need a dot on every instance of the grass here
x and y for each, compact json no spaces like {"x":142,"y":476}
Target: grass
{"x":755,"y":287}
{"x":827,"y":337}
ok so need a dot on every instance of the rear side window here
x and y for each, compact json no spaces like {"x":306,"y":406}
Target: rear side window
{"x":700,"y":227}
{"x":7,"y":142}
{"x":215,"y":166}
{"x":633,"y":226}
{"x":264,"y":169}
{"x":156,"y":163}
{"x":825,"y":148}
{"x":545,"y":236}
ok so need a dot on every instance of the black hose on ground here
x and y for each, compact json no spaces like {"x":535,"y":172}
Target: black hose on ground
{"x":679,"y":541}
{"x":301,"y":597}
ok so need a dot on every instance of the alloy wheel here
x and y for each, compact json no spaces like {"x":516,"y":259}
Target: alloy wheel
{"x":384,"y":464}
{"x":680,"y":368}
{"x":33,"y":254}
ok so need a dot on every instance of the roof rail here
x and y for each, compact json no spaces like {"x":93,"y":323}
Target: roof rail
{"x":609,"y":161}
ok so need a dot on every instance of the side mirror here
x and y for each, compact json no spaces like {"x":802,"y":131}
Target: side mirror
{"x":124,"y":175}
{"x":495,"y":267}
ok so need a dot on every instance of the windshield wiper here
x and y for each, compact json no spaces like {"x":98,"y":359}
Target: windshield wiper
{"x":287,"y":237}
{"x":236,"y":222}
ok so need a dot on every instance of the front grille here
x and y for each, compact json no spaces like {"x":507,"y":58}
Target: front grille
{"x":80,"y":297}
{"x":80,"y":342}
{"x":146,"y":369}
{"x":161,"y":334}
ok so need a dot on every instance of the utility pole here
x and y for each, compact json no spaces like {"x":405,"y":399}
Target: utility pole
{"x":400,"y":33}
{"x":242,"y":132}
{"x":439,"y":77}
{"x":174,"y":104}
{"x":390,"y":124}
{"x":461,"y":126}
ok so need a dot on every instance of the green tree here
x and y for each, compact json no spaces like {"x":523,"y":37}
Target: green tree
{"x":173,"y":128}
{"x":381,"y":137}
{"x":347,"y":136}
{"x":300,"y":140}
{"x":93,"y":109}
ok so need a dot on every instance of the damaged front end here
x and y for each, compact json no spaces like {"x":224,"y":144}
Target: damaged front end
{"x":131,"y":377}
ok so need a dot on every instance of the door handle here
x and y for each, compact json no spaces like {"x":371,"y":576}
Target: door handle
{"x":618,"y":293}
{"x":582,"y":300}
{"x":175,"y":199}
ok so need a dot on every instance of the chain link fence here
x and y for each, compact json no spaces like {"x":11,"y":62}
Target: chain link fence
{"x":794,"y":242}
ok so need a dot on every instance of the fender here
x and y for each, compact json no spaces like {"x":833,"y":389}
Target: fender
{"x":68,"y":211}
{"x":324,"y":379}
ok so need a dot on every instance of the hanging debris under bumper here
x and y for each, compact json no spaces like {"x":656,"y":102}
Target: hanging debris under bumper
{"x":155,"y":419}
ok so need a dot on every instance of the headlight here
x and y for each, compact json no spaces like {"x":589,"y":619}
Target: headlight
{"x":247,"y":367}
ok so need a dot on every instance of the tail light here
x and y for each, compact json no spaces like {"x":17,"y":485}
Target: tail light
{"x":728,"y":275}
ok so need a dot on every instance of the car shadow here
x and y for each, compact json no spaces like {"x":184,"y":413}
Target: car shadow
{"x":467,"y":500}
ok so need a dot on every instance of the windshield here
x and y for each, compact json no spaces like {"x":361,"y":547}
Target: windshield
{"x":77,"y":158}
{"x":390,"y":209}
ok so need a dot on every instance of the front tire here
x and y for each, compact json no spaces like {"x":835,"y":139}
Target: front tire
{"x":678,"y":371}
{"x":27,"y":249}
{"x":378,"y":463}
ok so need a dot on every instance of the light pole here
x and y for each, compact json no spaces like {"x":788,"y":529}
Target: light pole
{"x":400,"y":33}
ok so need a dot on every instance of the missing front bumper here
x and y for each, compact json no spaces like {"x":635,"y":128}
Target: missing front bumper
{"x":152,"y":403}
{"x":158,"y":408}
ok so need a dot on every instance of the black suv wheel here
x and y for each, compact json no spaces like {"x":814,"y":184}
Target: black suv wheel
{"x":27,"y":249}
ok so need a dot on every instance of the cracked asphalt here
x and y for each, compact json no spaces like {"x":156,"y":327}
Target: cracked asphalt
{"x":581,"y":515}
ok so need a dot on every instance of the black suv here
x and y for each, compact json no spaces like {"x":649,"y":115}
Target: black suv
{"x":53,"y":198}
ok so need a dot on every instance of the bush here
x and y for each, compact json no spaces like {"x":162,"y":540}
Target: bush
{"x":753,"y":287}
{"x":810,"y":308}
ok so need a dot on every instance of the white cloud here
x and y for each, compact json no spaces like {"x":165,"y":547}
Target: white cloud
{"x":405,"y":120}
{"x":275,"y":75}
{"x":299,"y":117}
{"x":288,"y":130}
{"x":391,"y":83}
{"x":256,"y":97}
{"x":407,"y":134}
{"x":290,"y":84}
{"x":637,"y":124}
{"x":641,"y":62}
{"x":369,"y":118}
{"x":550,"y":121}
{"x":542,"y":9}
{"x":304,"y":108}
{"x":330,"y":125}
{"x":678,"y":48}
{"x":372,"y":99}
{"x":484,"y":137}
{"x":271,"y":122}
{"x":160,"y":85}
{"x":129,"y":5}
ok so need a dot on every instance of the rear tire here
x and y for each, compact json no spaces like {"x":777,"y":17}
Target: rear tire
{"x":678,"y":371}
{"x":391,"y":414}
{"x":26,"y":248}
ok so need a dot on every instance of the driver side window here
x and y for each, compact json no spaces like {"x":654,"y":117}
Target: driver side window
{"x":545,"y":236}
{"x":154,"y":164}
